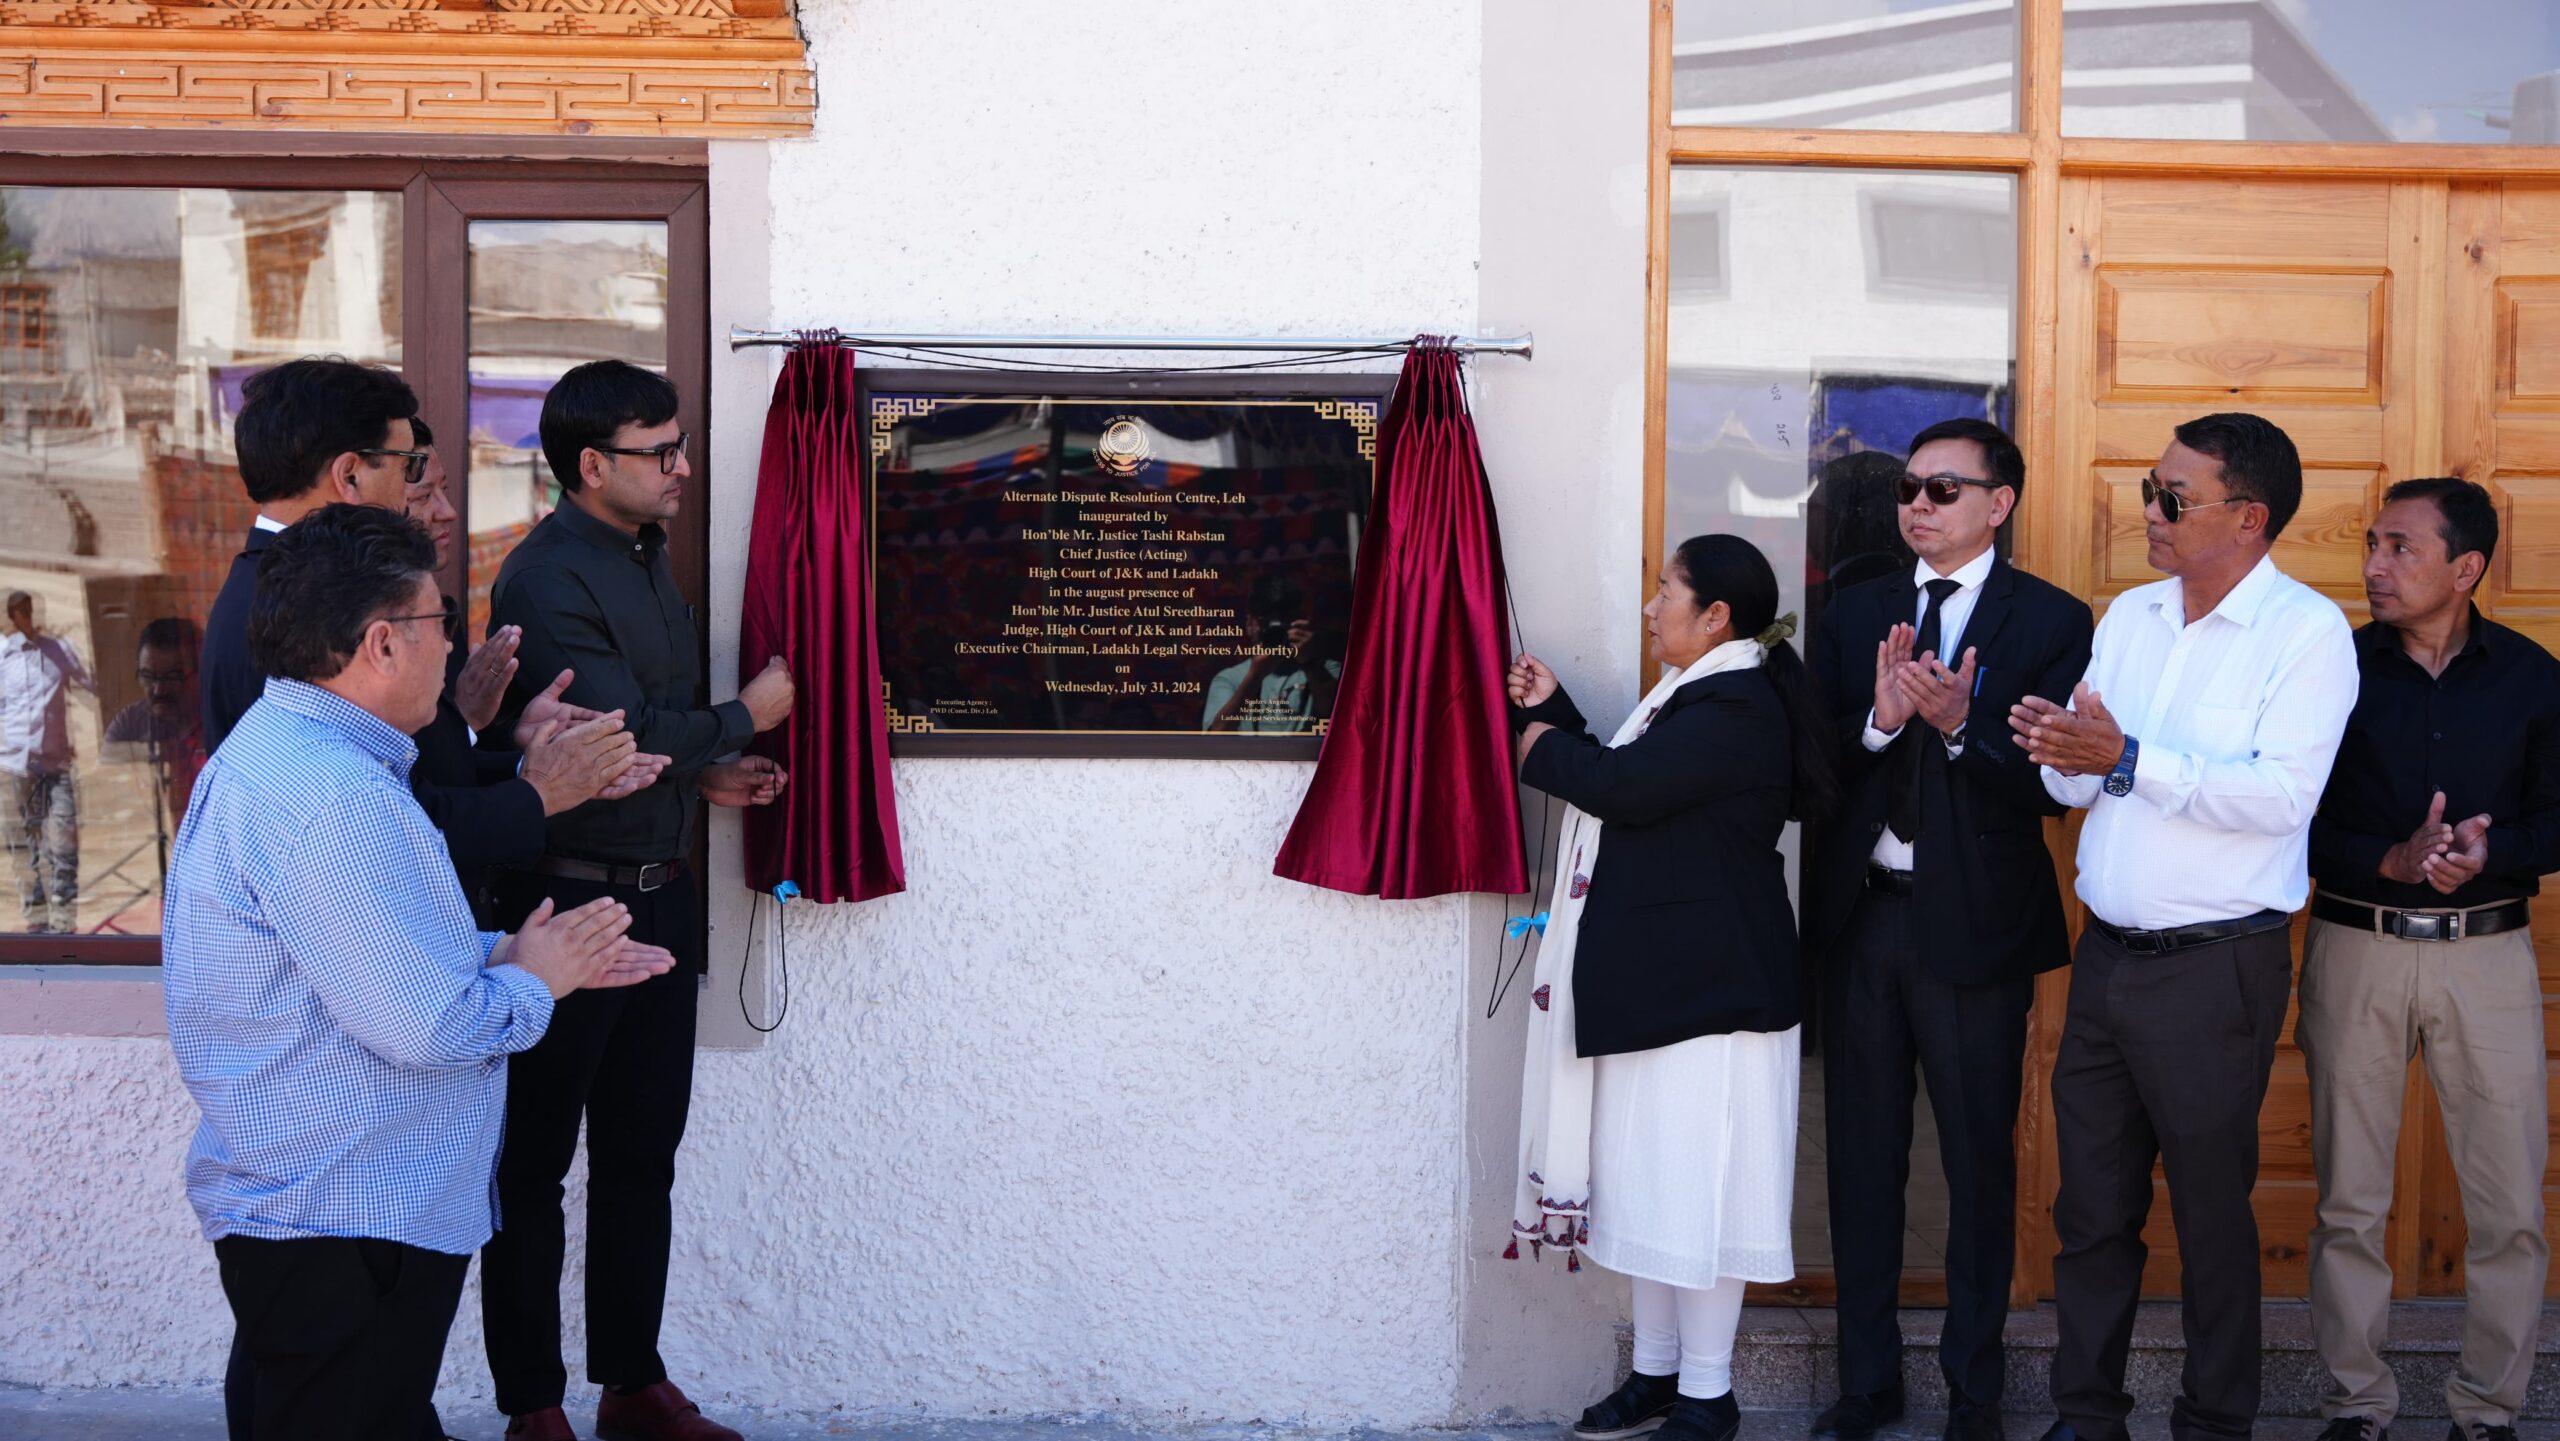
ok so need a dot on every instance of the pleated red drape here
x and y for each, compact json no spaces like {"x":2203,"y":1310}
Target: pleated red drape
{"x":834,"y":830}
{"x":1413,"y":793}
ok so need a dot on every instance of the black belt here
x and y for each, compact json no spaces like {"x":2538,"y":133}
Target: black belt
{"x":648,"y":878}
{"x":2486,"y":920}
{"x":1888,"y":880}
{"x":2179,"y":938}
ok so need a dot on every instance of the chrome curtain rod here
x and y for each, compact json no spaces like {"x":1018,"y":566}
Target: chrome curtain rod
{"x":741,"y":337}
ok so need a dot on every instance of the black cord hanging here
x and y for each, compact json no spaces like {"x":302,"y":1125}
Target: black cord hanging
{"x":782,"y":962}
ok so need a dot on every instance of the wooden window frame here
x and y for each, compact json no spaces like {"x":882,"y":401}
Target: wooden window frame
{"x":2038,"y":155}
{"x":445,"y":185}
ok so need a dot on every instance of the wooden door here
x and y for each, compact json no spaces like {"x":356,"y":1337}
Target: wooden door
{"x":2354,"y":314}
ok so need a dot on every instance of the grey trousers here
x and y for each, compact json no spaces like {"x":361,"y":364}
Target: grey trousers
{"x":2473,"y":1009}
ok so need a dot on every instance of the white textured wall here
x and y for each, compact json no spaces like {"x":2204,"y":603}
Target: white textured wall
{"x":1100,"y":1117}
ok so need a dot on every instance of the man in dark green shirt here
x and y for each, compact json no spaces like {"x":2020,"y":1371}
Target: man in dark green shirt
{"x":592,"y":592}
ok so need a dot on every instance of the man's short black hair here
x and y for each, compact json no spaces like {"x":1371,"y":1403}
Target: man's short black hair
{"x":18,"y":598}
{"x":173,"y":632}
{"x":2470,"y":517}
{"x":591,"y":403}
{"x":2258,"y":461}
{"x":2007,"y":463}
{"x":324,"y":579}
{"x":297,"y":417}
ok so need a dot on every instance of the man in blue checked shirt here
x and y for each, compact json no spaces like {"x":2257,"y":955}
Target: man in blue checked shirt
{"x":342,"y":1026}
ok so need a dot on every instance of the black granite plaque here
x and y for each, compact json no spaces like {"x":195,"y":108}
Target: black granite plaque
{"x":1135,"y":566}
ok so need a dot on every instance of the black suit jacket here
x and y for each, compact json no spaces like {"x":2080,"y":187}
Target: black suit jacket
{"x":489,"y":818}
{"x":228,"y":682}
{"x":1686,"y":930}
{"x":1988,"y":906}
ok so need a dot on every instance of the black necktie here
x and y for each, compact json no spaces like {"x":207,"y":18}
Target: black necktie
{"x":1905,"y":816}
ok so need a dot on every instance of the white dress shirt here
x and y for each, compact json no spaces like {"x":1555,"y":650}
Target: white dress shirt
{"x":36,"y":679}
{"x":2238,"y":716}
{"x":1893,"y":852}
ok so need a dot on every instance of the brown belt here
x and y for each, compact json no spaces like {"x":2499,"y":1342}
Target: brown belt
{"x":2486,"y":920}
{"x":647,"y":878}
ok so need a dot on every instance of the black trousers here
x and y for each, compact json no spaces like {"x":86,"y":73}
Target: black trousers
{"x":1885,"y":1019}
{"x":337,"y":1336}
{"x":2163,"y":1057}
{"x":621,"y":1061}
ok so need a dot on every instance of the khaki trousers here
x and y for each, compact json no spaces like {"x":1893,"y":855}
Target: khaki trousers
{"x":2474,"y":1009}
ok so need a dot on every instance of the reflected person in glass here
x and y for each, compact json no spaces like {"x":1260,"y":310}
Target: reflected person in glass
{"x":39,"y":793}
{"x":1658,"y":1099}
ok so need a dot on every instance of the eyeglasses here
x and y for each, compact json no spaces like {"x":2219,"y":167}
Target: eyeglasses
{"x":666,"y":453}
{"x":451,"y":615}
{"x":1943,"y":489}
{"x":414,"y":468}
{"x":163,"y":677}
{"x":2171,"y":505}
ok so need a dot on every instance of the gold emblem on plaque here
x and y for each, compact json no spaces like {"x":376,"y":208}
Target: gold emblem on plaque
{"x":1122,"y":447}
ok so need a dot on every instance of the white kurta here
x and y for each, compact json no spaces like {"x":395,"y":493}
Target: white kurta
{"x":1675,"y":1164}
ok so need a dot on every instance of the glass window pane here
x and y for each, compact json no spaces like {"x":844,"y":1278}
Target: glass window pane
{"x":546,"y":295}
{"x":1819,"y":320}
{"x":1948,"y":65}
{"x":129,"y":320}
{"x":2472,"y":72}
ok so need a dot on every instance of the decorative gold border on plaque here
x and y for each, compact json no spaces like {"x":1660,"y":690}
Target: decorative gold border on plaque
{"x":714,"y":68}
{"x":902,"y":724}
{"x":888,"y":410}
{"x":1360,"y":415}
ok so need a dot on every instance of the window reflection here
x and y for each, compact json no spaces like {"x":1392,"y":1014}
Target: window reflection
{"x":1946,"y":65}
{"x":2480,"y":72}
{"x":129,"y":320}
{"x":1825,"y":319}
{"x":545,"y":295}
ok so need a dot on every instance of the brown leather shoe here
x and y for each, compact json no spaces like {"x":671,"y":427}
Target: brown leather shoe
{"x":549,"y":1424}
{"x":656,"y":1413}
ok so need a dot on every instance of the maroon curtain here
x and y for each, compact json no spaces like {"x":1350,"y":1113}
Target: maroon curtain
{"x":1413,"y":793}
{"x":834,"y":830}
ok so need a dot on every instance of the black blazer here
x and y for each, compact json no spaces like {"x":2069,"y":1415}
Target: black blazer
{"x":1988,"y":906}
{"x":227,"y":682}
{"x":489,"y":817}
{"x":1686,"y":930}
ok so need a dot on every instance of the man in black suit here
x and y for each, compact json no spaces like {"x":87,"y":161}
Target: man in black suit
{"x":1932,"y":902}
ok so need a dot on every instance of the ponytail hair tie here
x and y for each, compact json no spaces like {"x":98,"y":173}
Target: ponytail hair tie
{"x":1783,"y":628}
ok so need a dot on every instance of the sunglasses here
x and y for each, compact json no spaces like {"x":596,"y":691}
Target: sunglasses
{"x":2171,"y":506}
{"x":414,"y":462}
{"x":1943,"y":489}
{"x":666,"y":453}
{"x":451,"y":615}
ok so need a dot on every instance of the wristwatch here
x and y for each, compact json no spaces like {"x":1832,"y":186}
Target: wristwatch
{"x":2120,"y":780}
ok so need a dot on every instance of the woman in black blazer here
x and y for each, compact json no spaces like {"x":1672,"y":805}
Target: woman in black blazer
{"x":1658,"y":1122}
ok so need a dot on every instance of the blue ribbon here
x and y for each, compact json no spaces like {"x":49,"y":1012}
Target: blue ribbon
{"x":1523,"y":925}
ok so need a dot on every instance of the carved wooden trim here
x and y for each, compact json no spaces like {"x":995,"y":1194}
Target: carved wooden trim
{"x":711,"y":68}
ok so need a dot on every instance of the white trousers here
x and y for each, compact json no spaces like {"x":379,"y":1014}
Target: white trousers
{"x":1688,"y":1329}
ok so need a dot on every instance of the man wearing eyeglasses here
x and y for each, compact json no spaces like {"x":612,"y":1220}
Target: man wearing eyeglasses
{"x":593,"y":594}
{"x":2199,"y":744}
{"x":316,"y":432}
{"x":1930,"y":908}
{"x":2440,"y":820}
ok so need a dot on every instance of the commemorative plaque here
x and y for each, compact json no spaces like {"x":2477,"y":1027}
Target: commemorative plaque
{"x":1124,"y":566}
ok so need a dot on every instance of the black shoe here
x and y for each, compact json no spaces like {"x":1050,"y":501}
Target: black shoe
{"x":2353,"y":1428}
{"x":1855,"y":1416}
{"x":1973,"y":1423}
{"x":2481,"y":1431}
{"x":1640,"y":1404}
{"x":1692,"y":1420}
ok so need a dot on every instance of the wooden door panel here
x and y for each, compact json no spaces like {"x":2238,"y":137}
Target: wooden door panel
{"x":2248,"y":337}
{"x":2206,"y":222}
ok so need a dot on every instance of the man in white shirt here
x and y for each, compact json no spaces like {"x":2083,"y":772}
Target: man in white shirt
{"x":39,"y":795}
{"x":2199,"y":742}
